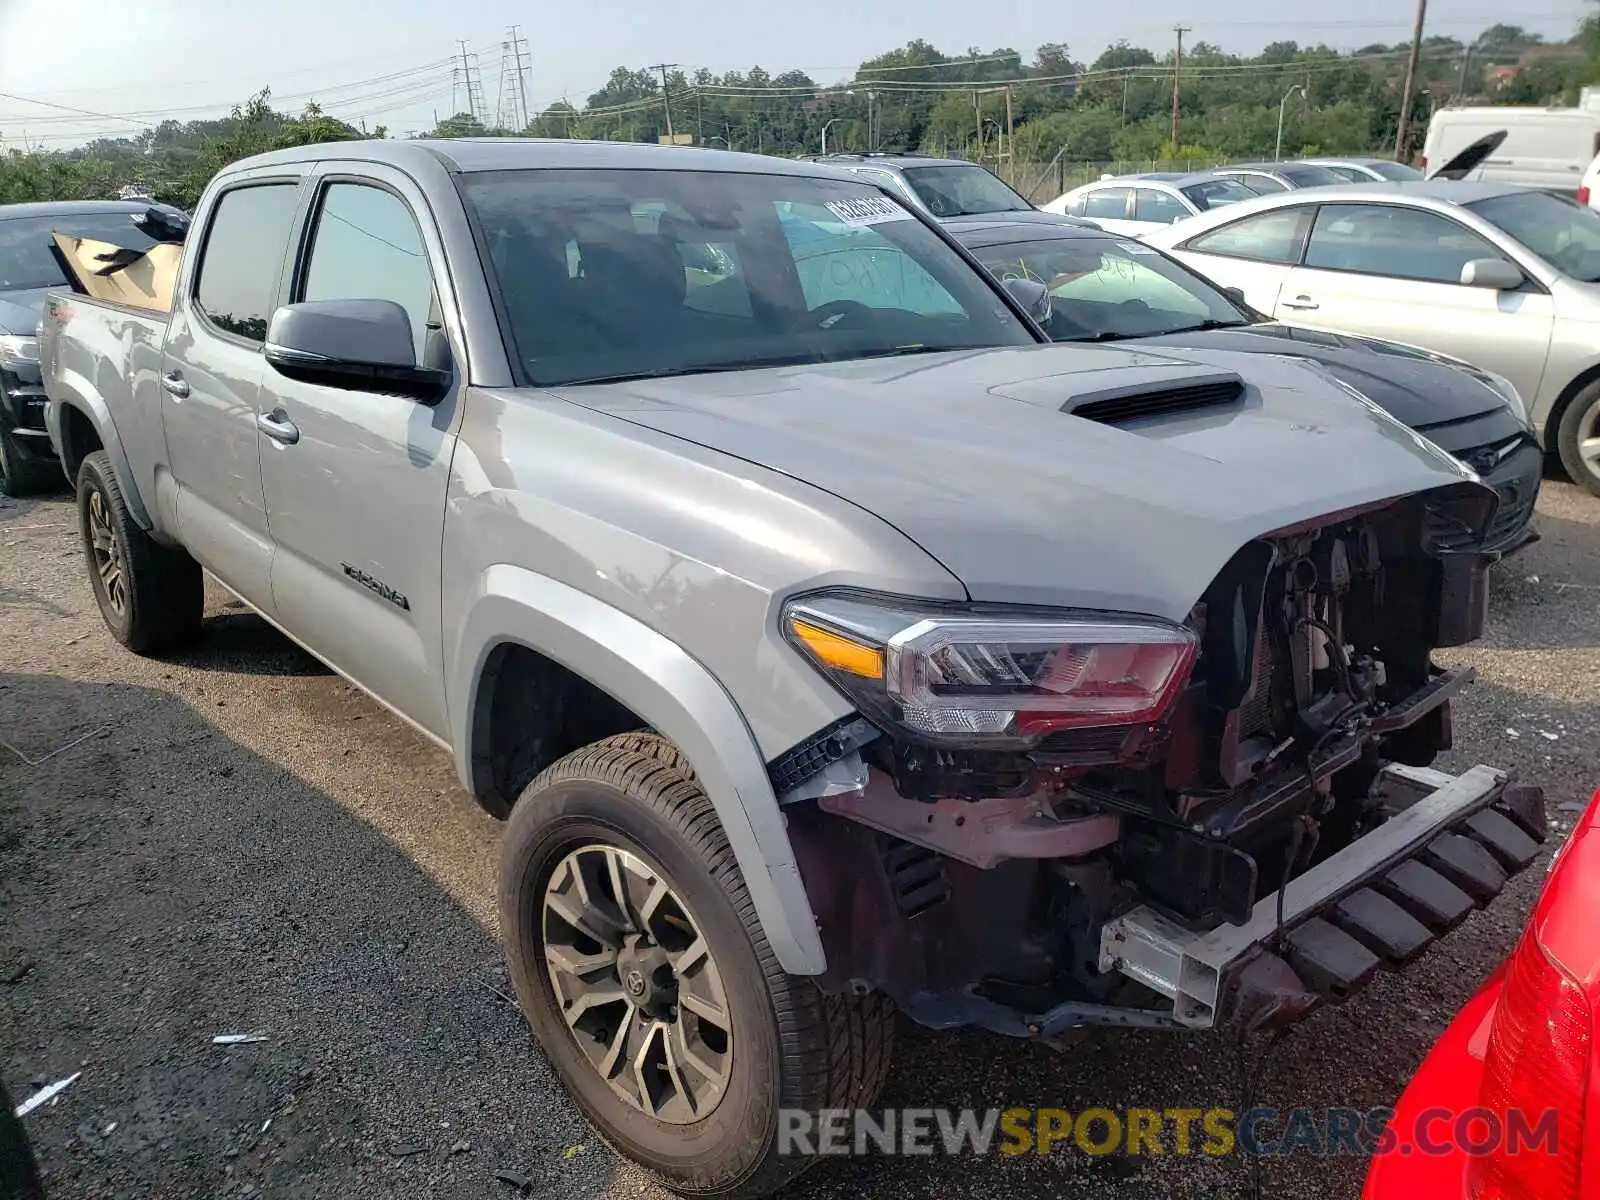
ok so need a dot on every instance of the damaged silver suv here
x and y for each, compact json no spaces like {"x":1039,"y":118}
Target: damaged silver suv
{"x":832,"y":643}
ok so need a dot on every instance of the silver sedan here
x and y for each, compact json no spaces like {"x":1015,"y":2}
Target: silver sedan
{"x":1504,"y":277}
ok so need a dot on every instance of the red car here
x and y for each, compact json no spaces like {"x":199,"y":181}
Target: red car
{"x":1507,"y":1105}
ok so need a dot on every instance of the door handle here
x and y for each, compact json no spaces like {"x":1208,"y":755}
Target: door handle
{"x":277,"y":426}
{"x":1302,"y":303}
{"x":174,"y":384}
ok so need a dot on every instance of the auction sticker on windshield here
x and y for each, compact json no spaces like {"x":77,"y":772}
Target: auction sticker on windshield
{"x":869,"y":210}
{"x":1135,"y":248}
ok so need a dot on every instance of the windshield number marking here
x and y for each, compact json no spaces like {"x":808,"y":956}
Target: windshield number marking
{"x":868,"y":210}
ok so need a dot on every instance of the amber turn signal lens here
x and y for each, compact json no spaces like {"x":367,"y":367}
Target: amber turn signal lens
{"x":838,"y":652}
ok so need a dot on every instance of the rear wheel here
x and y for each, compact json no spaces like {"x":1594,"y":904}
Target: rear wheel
{"x":152,"y":597}
{"x":1578,"y":438}
{"x":638,"y":958}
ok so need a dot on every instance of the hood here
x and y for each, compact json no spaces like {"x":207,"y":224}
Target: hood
{"x":971,"y":455}
{"x":1029,"y":216}
{"x":1426,"y":391}
{"x":20,"y":310}
{"x":1471,"y":158}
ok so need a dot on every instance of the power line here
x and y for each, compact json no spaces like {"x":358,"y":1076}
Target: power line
{"x":146,"y":116}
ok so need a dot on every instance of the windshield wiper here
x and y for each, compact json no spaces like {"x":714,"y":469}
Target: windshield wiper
{"x":749,"y":364}
{"x":1202,"y":327}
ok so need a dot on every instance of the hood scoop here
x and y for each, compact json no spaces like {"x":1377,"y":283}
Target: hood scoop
{"x":1135,"y":401}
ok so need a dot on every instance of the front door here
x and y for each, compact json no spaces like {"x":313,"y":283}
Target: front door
{"x":355,"y":481}
{"x":209,"y":376}
{"x":1394,"y":272}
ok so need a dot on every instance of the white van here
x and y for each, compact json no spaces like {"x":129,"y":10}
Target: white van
{"x":1546,"y":148}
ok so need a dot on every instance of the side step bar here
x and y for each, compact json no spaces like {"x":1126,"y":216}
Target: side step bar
{"x":1452,"y":844}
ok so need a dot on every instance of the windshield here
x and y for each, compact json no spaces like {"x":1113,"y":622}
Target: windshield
{"x":1564,"y":233}
{"x":1216,"y":193}
{"x":962,"y":190}
{"x":606,"y":275}
{"x":1307,"y":175}
{"x":1350,"y":174}
{"x":1106,"y":289}
{"x":25,"y":257}
{"x":1398,"y":172}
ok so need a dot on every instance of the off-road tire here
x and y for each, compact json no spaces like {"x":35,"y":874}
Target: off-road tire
{"x":1578,"y":422}
{"x":794,"y":1046}
{"x":163,"y":587}
{"x":21,"y":475}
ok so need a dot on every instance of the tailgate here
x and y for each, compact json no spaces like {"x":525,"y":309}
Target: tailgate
{"x":1449,"y":846}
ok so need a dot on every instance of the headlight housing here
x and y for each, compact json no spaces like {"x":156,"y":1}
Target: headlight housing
{"x":993,"y":679}
{"x":17,"y":351}
{"x":1506,"y":390}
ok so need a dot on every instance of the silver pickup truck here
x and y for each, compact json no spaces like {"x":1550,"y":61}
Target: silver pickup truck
{"x":832,"y":643}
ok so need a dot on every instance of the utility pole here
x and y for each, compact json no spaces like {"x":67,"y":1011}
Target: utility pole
{"x":1011,"y":149}
{"x":666,"y":97}
{"x":977,"y":116}
{"x":1126,"y":80}
{"x":1400,"y":136}
{"x":1177,"y":69}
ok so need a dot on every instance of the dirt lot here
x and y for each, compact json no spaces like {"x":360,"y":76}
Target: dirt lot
{"x":237,"y":841}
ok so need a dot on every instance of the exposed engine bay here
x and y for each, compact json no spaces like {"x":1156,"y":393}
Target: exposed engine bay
{"x":976,"y":885}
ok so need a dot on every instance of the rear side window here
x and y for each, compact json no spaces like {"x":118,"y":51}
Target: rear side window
{"x":1274,"y":237}
{"x":368,"y":247}
{"x":1107,"y":202}
{"x":243,"y":255}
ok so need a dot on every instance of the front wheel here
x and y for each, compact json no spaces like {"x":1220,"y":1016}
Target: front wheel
{"x":1578,"y":438}
{"x":152,"y":597}
{"x":639,"y":961}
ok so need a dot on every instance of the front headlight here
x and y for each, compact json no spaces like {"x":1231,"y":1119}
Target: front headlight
{"x":990,"y":680}
{"x":17,"y":351}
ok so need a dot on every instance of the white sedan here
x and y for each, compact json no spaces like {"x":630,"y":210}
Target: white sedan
{"x":1504,"y":277}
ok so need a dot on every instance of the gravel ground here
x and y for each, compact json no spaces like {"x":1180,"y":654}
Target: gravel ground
{"x":237,"y":841}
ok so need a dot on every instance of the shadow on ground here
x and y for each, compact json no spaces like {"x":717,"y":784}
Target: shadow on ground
{"x":160,"y":885}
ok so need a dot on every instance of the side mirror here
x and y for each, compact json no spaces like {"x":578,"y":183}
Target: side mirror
{"x":1236,"y":294}
{"x":1032,"y":295}
{"x":1494,"y":273}
{"x":361,"y":345}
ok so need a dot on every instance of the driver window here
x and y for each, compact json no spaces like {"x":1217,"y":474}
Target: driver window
{"x":367,"y":246}
{"x":1396,"y":242}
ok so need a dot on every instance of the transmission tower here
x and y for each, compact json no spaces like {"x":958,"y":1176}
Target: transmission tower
{"x":466,"y":77}
{"x":513,"y":102}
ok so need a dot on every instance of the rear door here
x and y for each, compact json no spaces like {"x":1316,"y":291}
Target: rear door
{"x":1255,"y":254}
{"x":1394,"y":272}
{"x":355,"y":481}
{"x":209,"y":378}
{"x":1112,"y":208}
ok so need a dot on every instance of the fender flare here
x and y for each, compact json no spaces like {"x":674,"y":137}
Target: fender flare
{"x":90,"y":404}
{"x":679,"y":698}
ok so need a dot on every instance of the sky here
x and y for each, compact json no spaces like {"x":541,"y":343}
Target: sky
{"x":126,"y":64}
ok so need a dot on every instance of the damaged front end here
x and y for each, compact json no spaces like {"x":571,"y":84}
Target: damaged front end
{"x":1043,"y":819}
